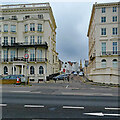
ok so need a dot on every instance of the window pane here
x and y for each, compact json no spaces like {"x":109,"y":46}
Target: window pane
{"x":13,"y":28}
{"x":5,"y":28}
{"x":103,"y":48}
{"x":114,"y":9}
{"x":40,"y":27}
{"x":26,"y":28}
{"x":32,"y":27}
{"x":103,"y":10}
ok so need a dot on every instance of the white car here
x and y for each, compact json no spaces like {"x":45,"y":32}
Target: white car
{"x":75,"y":73}
{"x":81,"y":74}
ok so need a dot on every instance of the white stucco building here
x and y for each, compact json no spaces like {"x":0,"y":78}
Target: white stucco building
{"x":28,"y":40}
{"x":69,"y":67}
{"x":104,"y":43}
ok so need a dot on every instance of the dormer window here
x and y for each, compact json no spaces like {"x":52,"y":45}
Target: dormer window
{"x":14,"y":18}
{"x":27,"y":16}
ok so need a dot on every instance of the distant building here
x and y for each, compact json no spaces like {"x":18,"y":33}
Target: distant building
{"x":69,"y":67}
{"x":28,"y":41}
{"x":104,"y":38}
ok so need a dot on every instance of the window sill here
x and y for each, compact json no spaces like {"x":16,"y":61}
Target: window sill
{"x":103,"y":35}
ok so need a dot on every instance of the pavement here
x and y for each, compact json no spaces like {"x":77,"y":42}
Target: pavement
{"x":75,"y":86}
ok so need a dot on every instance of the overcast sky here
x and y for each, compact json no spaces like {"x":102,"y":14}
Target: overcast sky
{"x":72,"y":19}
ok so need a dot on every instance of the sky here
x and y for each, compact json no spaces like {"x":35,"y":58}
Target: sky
{"x":72,"y":19}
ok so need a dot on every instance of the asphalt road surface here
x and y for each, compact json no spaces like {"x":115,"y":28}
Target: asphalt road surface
{"x":60,"y":100}
{"x":31,"y":105}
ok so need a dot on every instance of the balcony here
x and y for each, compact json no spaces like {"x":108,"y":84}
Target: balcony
{"x":110,"y":53}
{"x":25,"y":60}
{"x":37,"y":60}
{"x":25,"y":44}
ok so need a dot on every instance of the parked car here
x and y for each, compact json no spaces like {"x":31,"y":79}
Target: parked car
{"x":81,"y":74}
{"x":11,"y":77}
{"x":1,"y":76}
{"x":61,"y":77}
{"x":75,"y":73}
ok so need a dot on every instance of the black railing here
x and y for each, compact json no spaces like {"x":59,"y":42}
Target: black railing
{"x":110,"y":53}
{"x":25,"y":44}
{"x":38,"y":59}
{"x":25,"y":60}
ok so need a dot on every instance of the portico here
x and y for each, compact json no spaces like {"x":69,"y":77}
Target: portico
{"x":20,"y":68}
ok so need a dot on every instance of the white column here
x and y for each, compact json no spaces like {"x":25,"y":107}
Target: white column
{"x":22,"y":69}
{"x":13,"y":69}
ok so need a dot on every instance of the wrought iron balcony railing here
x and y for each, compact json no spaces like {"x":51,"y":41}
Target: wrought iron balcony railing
{"x":25,"y":44}
{"x":107,"y":53}
{"x":25,"y":60}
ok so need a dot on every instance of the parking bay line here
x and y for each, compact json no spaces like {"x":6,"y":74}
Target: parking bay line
{"x":73,"y":107}
{"x":34,"y":106}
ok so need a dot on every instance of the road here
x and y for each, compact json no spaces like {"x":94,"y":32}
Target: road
{"x":31,"y":105}
{"x":60,"y":100}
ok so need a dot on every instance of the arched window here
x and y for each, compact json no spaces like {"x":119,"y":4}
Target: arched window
{"x":115,"y":63}
{"x":5,"y":70}
{"x":31,"y":70}
{"x":14,"y":70}
{"x":41,"y":70}
{"x":103,"y":63}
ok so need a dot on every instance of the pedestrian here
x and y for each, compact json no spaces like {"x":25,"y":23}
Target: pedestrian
{"x":55,"y":80}
{"x":68,"y":78}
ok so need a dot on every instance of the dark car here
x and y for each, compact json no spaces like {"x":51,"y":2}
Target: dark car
{"x":61,"y":77}
{"x":1,"y":76}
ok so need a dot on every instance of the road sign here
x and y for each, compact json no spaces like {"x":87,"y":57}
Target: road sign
{"x":26,"y":56}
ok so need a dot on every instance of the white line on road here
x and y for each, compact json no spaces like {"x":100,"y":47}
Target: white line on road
{"x":107,"y":94}
{"x":67,"y":86}
{"x":112,"y":114}
{"x":36,"y":92}
{"x":73,"y":107}
{"x":40,"y":106}
{"x":112,"y":108}
{"x":20,"y":91}
{"x":3,"y":105}
{"x":101,"y":114}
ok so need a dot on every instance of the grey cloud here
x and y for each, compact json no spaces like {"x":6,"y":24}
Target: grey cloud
{"x":72,"y":24}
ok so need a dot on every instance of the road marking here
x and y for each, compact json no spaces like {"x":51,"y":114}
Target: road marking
{"x":112,"y":108}
{"x":40,"y":106}
{"x":102,"y":114}
{"x":107,"y":94}
{"x":67,"y":86}
{"x":36,"y":92}
{"x":75,"y":93}
{"x":73,"y":107}
{"x":3,"y":105}
{"x":112,"y":114}
{"x":20,"y":91}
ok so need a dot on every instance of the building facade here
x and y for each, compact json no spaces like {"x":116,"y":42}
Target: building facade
{"x":28,"y":41}
{"x":104,"y":43}
{"x":69,"y":67}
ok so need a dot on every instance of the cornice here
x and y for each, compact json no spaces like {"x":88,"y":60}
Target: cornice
{"x":107,"y":4}
{"x":24,"y":10}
